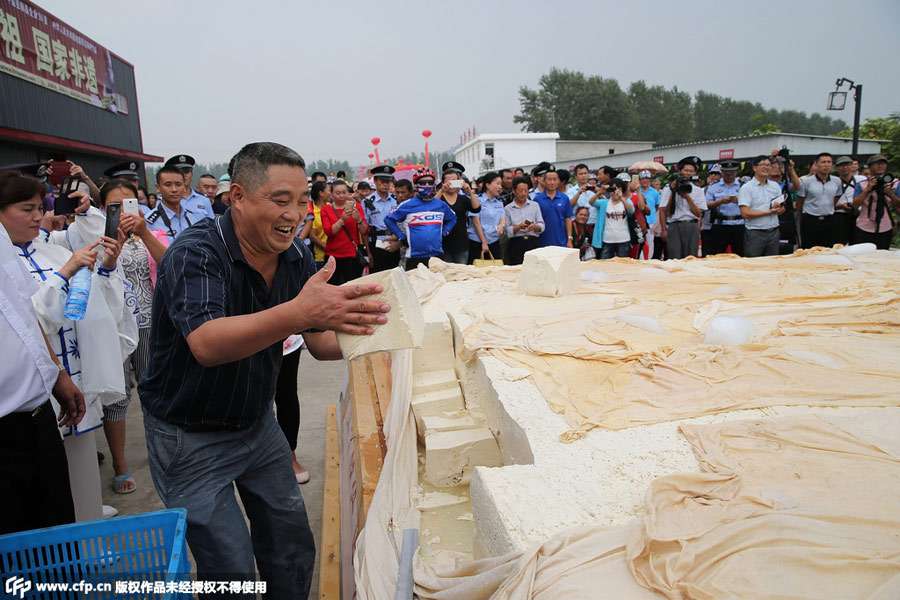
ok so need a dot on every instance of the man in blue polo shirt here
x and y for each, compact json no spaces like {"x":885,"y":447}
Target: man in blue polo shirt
{"x":556,"y":209}
{"x":229,"y":291}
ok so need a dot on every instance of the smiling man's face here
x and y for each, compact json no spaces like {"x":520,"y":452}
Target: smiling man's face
{"x":270,"y":215}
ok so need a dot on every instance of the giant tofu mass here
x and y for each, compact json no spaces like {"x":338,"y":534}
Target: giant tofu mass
{"x":584,"y":393}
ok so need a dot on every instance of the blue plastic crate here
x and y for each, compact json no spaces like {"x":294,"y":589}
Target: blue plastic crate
{"x":148,"y":547}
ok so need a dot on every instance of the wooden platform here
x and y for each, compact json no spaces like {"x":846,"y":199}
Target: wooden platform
{"x":368,"y":397}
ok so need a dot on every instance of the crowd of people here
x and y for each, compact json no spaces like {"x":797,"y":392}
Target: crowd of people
{"x":194,"y":290}
{"x":607,"y":213}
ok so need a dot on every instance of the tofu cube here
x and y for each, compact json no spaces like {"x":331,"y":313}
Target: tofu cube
{"x":405,"y":327}
{"x":550,"y":271}
{"x":451,"y":456}
{"x":436,"y":352}
{"x":430,"y":404}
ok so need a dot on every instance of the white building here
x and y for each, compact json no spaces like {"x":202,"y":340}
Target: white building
{"x":802,"y":146}
{"x":495,"y":151}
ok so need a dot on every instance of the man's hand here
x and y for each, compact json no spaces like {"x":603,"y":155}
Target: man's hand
{"x":71,"y":400}
{"x":778,"y":210}
{"x":664,"y":234}
{"x":340,"y":308}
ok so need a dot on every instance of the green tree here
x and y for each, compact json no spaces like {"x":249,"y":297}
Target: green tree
{"x":589,"y":107}
{"x":576,"y":106}
{"x":665,"y":116}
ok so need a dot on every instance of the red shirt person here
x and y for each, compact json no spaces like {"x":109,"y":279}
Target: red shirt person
{"x":344,"y":222}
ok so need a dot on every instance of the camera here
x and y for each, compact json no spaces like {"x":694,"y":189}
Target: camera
{"x":683,"y":185}
{"x":882,"y":180}
{"x":784,"y":155}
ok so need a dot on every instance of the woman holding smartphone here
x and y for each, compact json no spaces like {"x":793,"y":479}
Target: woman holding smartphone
{"x":140,"y":251}
{"x":345,"y":224}
{"x":90,"y":350}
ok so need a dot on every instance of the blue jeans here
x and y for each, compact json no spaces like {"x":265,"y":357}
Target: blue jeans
{"x":199,"y":471}
{"x":609,"y":250}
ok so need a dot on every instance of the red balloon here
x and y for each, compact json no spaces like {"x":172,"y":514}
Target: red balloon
{"x":399,"y":161}
{"x":376,"y":141}
{"x":371,"y":156}
{"x":427,"y":133}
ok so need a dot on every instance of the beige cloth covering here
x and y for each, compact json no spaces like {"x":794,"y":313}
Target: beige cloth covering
{"x":826,"y":335}
{"x":795,"y":507}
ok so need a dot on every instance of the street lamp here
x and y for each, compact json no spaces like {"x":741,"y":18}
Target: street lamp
{"x":837,"y":100}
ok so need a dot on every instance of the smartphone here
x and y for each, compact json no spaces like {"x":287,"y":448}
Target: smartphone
{"x":60,"y":169}
{"x":457,"y":184}
{"x":527,"y":221}
{"x":113,"y":215}
{"x":65,"y":204}
{"x":130,"y":206}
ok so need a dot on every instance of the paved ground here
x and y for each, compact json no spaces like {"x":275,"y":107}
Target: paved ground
{"x":319,"y":383}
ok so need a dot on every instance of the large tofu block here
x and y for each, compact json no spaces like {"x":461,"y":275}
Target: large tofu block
{"x":550,"y":271}
{"x":436,"y":352}
{"x":405,"y":327}
{"x":430,"y":404}
{"x":451,"y":456}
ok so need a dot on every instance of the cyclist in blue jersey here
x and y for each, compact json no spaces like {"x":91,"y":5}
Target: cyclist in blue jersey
{"x":422,"y":221}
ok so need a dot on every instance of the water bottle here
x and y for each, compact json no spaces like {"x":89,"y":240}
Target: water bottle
{"x":79,"y":291}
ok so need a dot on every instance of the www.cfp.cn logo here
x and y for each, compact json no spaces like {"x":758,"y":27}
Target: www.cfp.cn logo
{"x":18,"y":586}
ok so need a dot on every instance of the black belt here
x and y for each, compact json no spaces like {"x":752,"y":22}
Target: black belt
{"x":764,"y":230}
{"x":816,"y":217}
{"x":729,"y":219}
{"x":26,"y":415}
{"x":694,"y":221}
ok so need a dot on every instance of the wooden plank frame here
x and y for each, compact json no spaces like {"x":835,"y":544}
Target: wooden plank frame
{"x":330,"y":552}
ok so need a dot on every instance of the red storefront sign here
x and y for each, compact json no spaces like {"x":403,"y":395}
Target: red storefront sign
{"x":658,"y":159}
{"x":726,"y":154}
{"x":39,"y":48}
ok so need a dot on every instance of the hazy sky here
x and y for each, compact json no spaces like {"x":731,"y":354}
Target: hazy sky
{"x":326,"y":77}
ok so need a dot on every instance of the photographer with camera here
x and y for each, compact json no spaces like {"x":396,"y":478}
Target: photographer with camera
{"x":816,"y":198}
{"x":874,"y":198}
{"x":681,"y":205}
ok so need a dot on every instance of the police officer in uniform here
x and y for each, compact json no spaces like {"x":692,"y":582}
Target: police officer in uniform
{"x":196,"y":203}
{"x":725,"y":214}
{"x":377,"y":205}
{"x":170,"y":214}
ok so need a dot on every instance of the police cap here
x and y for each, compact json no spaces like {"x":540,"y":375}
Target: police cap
{"x":452,"y":167}
{"x":124,"y":169}
{"x":181,"y":161}
{"x":36,"y":170}
{"x":383,"y":172}
{"x":730,"y":166}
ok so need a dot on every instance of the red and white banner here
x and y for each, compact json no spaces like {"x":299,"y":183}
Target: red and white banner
{"x":726,"y":154}
{"x":38,"y":47}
